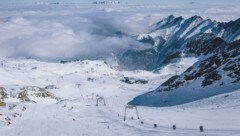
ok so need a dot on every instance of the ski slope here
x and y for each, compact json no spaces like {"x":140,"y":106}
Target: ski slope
{"x":75,"y":112}
{"x":47,"y":98}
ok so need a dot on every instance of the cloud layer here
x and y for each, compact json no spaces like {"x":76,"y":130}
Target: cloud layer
{"x":67,"y":32}
{"x":56,"y":36}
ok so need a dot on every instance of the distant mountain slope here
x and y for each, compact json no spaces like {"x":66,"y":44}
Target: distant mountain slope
{"x":219,"y":73}
{"x":169,"y":37}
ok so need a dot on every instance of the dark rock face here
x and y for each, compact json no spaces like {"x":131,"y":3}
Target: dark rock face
{"x":142,"y":59}
{"x":217,"y":46}
{"x":34,"y":92}
{"x":226,"y":60}
{"x":192,"y":36}
{"x":216,"y":74}
{"x":210,"y":78}
{"x":204,"y":44}
{"x":168,"y":22}
{"x":23,"y":96}
{"x":148,"y":40}
{"x":200,"y":44}
{"x":128,"y":80}
{"x":3,"y":94}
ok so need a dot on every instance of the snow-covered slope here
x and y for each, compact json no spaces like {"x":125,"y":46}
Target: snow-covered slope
{"x":87,"y":97}
{"x":178,"y":27}
{"x":218,"y":73}
{"x":40,"y":98}
{"x":169,"y":36}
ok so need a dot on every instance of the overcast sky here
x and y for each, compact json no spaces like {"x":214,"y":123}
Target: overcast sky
{"x":133,"y":1}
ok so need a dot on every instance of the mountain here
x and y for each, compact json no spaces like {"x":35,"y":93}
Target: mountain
{"x":218,"y":73}
{"x":170,"y":36}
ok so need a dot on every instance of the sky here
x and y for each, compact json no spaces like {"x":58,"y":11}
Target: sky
{"x":132,"y":1}
{"x":185,"y":1}
{"x":67,"y":32}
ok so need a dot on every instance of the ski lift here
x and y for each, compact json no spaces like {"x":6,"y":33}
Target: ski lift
{"x":130,"y":107}
{"x":79,"y":85}
{"x":101,"y":100}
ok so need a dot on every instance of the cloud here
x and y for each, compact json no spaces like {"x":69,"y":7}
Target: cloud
{"x":54,"y":37}
{"x":67,"y":32}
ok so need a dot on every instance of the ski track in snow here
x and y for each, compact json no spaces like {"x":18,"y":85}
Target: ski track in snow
{"x":77,"y":116}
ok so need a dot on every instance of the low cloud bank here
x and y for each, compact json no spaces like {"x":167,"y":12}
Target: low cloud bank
{"x":69,"y":32}
{"x":53,"y":36}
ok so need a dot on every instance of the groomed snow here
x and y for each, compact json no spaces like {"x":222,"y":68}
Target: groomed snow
{"x":35,"y":30}
{"x":77,"y":114}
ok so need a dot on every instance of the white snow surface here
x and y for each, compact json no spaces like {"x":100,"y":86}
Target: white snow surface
{"x":198,"y":30}
{"x":191,"y":26}
{"x":178,"y":67}
{"x":75,"y":113}
{"x":66,"y":31}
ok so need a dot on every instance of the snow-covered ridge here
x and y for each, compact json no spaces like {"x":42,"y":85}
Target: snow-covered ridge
{"x":219,"y":73}
{"x":178,"y":27}
{"x":80,"y":97}
{"x":170,"y":36}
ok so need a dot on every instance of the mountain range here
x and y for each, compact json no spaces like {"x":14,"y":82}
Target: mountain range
{"x":170,"y":36}
{"x":217,"y":71}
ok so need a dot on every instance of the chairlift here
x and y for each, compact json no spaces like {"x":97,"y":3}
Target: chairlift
{"x":101,"y":100}
{"x":130,"y":107}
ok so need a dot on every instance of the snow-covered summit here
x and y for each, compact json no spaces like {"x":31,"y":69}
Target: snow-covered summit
{"x":169,"y":37}
{"x":179,"y":28}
